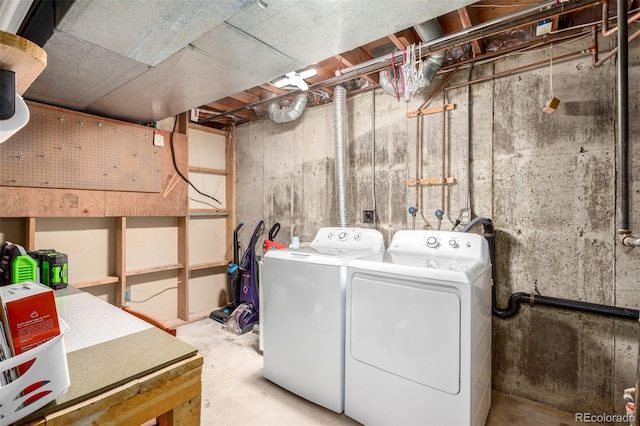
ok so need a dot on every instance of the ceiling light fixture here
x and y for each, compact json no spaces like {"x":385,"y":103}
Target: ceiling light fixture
{"x":295,"y":78}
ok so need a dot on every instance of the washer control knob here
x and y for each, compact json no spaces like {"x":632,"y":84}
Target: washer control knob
{"x":432,"y":242}
{"x":342,"y":236}
{"x":356,"y":237}
{"x":453,"y":244}
{"x":330,"y":235}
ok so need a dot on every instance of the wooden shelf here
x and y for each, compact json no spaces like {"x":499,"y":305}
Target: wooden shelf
{"x":207,"y":170}
{"x":96,"y":282}
{"x":209,"y":265}
{"x":153,"y":269}
{"x":209,"y":212}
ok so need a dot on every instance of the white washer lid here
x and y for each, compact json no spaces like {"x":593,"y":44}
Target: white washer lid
{"x":317,"y":255}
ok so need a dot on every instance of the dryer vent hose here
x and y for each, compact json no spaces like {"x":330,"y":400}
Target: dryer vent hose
{"x":340,"y":101}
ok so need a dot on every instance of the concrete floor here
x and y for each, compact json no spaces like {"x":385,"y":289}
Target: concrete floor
{"x":235,"y":393}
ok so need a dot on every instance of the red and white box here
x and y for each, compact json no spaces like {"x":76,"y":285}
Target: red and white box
{"x":29,"y":315}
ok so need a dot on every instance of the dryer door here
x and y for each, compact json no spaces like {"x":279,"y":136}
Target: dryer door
{"x":406,"y":328}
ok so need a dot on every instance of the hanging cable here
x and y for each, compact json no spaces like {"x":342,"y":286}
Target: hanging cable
{"x":175,"y":165}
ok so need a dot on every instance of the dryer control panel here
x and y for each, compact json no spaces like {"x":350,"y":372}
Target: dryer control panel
{"x":349,"y":238}
{"x":440,"y":244}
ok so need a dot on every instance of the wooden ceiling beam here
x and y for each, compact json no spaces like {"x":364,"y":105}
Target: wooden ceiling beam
{"x":469,"y":18}
{"x":354,"y":57}
{"x":228,"y":104}
{"x":273,"y":89}
{"x":245,"y":97}
{"x":399,"y":42}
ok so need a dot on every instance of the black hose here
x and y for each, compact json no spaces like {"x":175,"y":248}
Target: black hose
{"x":516,"y":299}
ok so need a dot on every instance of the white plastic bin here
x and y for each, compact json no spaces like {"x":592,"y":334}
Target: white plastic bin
{"x":47,"y":378}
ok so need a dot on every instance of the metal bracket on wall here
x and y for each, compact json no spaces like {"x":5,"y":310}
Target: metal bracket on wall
{"x":431,"y":181}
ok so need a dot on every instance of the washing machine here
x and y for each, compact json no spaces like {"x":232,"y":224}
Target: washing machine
{"x":418,"y":332}
{"x":304,"y":312}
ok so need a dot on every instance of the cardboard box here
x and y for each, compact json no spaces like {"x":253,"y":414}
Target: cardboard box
{"x":29,"y":315}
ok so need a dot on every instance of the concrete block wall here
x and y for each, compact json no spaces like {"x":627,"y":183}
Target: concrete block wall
{"x":546,"y":180}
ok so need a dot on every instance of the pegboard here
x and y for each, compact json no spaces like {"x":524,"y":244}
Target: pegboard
{"x":64,"y":149}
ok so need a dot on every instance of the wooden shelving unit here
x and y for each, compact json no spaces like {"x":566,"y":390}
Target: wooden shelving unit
{"x":209,"y":265}
{"x":120,"y":213}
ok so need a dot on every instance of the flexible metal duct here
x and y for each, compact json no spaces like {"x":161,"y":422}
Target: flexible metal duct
{"x":391,"y":79}
{"x":290,"y":113}
{"x":390,"y":85}
{"x":430,"y":30}
{"x":340,"y":101}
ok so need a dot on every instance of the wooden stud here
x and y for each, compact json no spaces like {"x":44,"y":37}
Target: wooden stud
{"x":432,"y":110}
{"x":121,"y":260}
{"x":231,"y":191}
{"x":30,"y":234}
{"x":431,"y":181}
{"x":183,"y":274}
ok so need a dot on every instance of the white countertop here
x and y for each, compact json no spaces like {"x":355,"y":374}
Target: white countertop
{"x":92,"y":320}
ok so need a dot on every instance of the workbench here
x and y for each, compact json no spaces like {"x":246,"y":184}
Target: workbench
{"x":123,"y":371}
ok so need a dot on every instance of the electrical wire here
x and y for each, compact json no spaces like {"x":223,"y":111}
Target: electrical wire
{"x":175,"y":165}
{"x":154,"y":295}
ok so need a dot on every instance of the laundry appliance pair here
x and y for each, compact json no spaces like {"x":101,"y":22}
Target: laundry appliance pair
{"x":401,"y":336}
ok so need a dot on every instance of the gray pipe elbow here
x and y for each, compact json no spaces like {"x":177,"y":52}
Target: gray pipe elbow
{"x":290,"y":113}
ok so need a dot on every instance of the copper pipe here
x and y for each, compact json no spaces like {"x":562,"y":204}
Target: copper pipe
{"x":594,"y":45}
{"x":440,"y":86}
{"x":615,"y":50}
{"x":605,"y":20}
{"x":519,"y":69}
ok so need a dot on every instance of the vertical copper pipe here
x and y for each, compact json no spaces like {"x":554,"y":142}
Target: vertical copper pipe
{"x":605,"y":19}
{"x":594,"y":45}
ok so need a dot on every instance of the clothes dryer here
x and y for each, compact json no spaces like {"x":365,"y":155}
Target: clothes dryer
{"x":418,"y":332}
{"x":304,"y":312}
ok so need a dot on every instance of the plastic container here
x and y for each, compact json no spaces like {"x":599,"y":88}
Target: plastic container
{"x":295,"y":243}
{"x":46,"y":379}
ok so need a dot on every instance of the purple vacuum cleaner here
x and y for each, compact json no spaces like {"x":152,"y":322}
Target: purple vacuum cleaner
{"x":245,"y":316}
